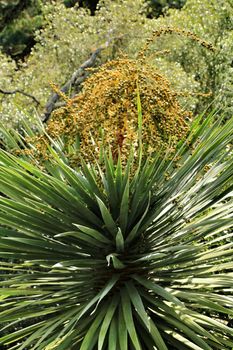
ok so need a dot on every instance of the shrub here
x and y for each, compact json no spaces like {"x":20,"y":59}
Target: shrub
{"x":114,"y":257}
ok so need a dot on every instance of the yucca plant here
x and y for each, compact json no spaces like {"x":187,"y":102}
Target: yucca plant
{"x":116,"y":258}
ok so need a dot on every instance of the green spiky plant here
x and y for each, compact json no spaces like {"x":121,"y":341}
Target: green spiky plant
{"x":116,"y":258}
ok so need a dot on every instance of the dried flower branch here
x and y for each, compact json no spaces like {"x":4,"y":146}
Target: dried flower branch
{"x":178,"y":31}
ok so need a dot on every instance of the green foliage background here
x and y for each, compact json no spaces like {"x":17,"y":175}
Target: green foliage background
{"x":69,"y":35}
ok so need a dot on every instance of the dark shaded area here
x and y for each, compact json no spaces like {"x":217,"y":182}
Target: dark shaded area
{"x":90,"y":4}
{"x":157,"y":8}
{"x":18,"y":22}
{"x":11,"y":10}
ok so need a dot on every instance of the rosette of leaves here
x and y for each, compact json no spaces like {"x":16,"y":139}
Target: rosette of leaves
{"x":114,"y":259}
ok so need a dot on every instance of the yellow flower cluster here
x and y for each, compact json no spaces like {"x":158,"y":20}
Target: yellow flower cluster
{"x":105,"y":114}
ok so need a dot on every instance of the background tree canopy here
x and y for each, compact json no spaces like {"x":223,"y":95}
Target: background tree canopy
{"x":20,"y":19}
{"x":47,"y":41}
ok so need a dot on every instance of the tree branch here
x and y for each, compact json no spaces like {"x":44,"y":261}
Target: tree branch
{"x":19,"y":91}
{"x":76,"y":79}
